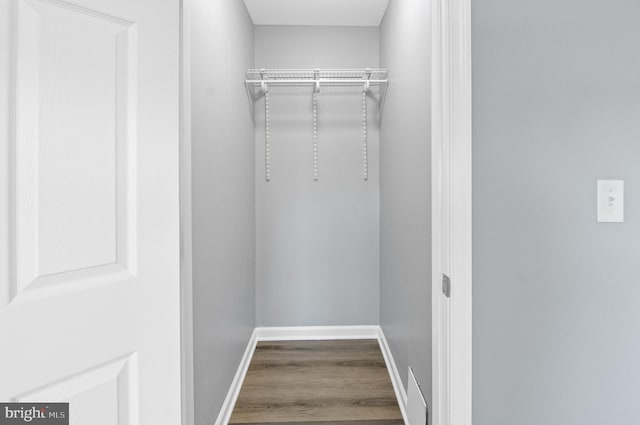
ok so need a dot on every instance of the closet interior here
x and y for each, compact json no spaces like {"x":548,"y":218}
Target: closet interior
{"x":310,"y":180}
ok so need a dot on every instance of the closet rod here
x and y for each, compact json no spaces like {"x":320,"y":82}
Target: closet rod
{"x":321,"y":81}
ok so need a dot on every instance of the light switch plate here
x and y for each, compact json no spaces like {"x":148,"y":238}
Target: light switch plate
{"x":610,"y":201}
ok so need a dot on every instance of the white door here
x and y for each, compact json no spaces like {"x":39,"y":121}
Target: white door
{"x":89,"y":248}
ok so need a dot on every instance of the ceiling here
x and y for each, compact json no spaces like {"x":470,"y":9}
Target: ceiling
{"x":317,"y":12}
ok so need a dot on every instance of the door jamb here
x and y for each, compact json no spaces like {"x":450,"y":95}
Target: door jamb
{"x":186,"y":271}
{"x":451,"y":113}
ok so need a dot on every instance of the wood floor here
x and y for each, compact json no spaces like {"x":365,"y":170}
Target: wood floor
{"x":339,"y":382}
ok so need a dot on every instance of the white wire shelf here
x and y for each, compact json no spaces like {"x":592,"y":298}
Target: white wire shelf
{"x":373,"y":81}
{"x":357,"y":77}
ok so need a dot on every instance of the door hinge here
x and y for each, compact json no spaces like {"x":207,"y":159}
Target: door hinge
{"x":446,"y":285}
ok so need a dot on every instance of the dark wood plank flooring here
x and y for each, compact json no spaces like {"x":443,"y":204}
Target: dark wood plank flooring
{"x":338,"y":382}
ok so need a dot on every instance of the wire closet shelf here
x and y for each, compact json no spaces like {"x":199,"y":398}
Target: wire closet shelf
{"x":320,"y":77}
{"x":371,"y":83}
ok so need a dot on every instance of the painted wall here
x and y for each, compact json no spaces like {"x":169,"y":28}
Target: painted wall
{"x":317,"y":242}
{"x":223,"y":199}
{"x":405,"y":189}
{"x":556,"y":92}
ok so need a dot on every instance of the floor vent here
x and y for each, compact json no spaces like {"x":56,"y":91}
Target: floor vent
{"x":416,"y":405}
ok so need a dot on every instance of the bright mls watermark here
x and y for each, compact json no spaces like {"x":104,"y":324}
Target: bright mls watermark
{"x":34,"y":413}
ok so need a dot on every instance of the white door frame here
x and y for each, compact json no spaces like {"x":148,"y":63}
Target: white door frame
{"x":451,"y":106}
{"x":451,"y":113}
{"x":186,"y":269}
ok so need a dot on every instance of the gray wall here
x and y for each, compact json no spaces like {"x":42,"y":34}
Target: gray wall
{"x":317,"y":242}
{"x":556,"y":307}
{"x":405,"y":189}
{"x":223,"y":199}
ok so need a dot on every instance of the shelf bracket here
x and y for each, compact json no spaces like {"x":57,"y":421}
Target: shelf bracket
{"x":316,"y":77}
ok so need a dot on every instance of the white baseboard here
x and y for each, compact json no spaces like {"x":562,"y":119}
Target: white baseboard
{"x":401,"y":394}
{"x":236,"y":384}
{"x":299,"y":333}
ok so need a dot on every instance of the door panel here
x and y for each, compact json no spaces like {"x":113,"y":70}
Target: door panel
{"x":108,"y":388}
{"x":89,"y":248}
{"x":73,"y":143}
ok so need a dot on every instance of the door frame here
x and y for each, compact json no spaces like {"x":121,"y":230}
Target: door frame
{"x":451,"y":115}
{"x":186,"y":234}
{"x":451,"y":110}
